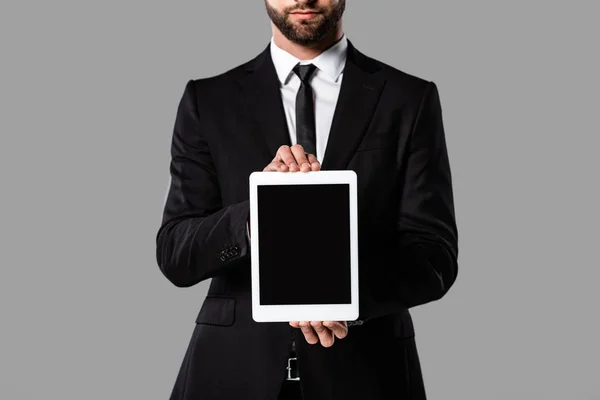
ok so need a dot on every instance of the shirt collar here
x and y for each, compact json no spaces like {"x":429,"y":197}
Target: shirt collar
{"x":331,"y":61}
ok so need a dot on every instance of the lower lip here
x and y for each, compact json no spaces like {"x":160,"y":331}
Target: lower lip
{"x":305,"y":16}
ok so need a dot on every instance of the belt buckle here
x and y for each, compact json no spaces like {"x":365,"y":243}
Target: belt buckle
{"x":289,"y":369}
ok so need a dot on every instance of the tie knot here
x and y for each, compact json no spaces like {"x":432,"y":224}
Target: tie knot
{"x":304,"y":72}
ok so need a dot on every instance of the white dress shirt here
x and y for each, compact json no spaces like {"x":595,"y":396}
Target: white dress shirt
{"x":325,"y":83}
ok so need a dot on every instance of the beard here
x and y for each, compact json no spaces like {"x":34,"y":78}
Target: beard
{"x":310,"y":31}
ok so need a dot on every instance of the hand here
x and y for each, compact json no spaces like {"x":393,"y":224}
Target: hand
{"x":293,"y":159}
{"x":325,"y":332}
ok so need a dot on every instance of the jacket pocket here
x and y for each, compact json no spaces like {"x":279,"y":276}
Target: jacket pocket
{"x":217,"y":310}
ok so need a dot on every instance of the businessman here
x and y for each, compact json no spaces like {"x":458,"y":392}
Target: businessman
{"x":309,"y":101}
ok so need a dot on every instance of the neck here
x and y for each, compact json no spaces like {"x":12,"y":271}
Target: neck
{"x":310,"y":51}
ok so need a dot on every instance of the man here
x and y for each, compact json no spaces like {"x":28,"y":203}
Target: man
{"x":309,"y":101}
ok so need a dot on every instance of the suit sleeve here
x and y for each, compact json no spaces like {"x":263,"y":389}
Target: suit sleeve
{"x":420,"y":260}
{"x":198,"y":238}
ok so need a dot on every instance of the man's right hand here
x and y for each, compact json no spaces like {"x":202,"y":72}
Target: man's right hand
{"x":293,"y":159}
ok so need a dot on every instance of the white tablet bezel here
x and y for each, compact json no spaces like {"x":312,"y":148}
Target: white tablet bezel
{"x":309,"y":312}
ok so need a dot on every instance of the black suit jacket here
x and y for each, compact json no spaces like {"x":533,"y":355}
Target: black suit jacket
{"x":388,"y":128}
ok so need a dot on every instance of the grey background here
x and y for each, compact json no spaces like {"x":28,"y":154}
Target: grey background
{"x":88,"y":94}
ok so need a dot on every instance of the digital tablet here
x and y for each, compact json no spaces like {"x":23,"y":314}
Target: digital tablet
{"x":304,"y":246}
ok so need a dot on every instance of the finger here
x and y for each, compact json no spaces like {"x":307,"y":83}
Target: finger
{"x":284,"y":154}
{"x":325,"y":336}
{"x":339,"y":329}
{"x":309,"y":333}
{"x":295,"y":324}
{"x":300,"y":156}
{"x":276,"y":166}
{"x":315,"y":165}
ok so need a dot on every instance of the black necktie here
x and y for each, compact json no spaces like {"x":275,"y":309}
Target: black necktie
{"x":305,"y":110}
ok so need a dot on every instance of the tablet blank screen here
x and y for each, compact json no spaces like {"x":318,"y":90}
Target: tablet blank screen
{"x":304,"y":244}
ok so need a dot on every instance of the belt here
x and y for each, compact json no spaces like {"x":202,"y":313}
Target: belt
{"x":292,"y":370}
{"x":292,"y":365}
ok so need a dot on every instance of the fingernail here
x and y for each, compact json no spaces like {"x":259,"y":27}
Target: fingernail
{"x":293,"y":165}
{"x":307,"y":165}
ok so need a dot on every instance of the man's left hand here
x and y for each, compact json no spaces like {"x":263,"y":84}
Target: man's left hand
{"x":322,"y":331}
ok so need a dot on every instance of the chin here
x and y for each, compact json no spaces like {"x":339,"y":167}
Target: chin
{"x":305,"y":31}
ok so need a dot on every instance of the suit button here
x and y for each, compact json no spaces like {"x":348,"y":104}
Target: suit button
{"x":224,"y":255}
{"x":229,"y":253}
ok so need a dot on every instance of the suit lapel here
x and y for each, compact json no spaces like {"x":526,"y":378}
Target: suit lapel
{"x":260,"y":88}
{"x":356,"y":104}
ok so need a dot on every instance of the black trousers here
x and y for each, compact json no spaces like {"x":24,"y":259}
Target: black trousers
{"x":290,"y":390}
